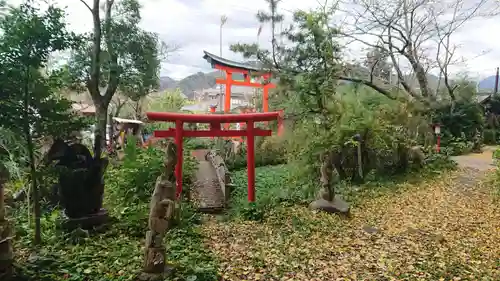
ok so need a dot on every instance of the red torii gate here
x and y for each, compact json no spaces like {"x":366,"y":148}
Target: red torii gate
{"x":215,"y":121}
{"x":230,"y":67}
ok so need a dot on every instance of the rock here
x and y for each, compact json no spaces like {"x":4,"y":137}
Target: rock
{"x":438,"y":238}
{"x":19,"y":195}
{"x":369,"y":229}
{"x":337,"y":206}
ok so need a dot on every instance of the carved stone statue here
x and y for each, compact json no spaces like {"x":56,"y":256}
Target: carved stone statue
{"x":477,"y":142}
{"x":81,"y":184}
{"x":327,"y":184}
{"x":327,"y":201}
{"x":161,"y":217}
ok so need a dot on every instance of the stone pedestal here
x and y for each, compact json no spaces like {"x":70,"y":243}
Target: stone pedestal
{"x":336,"y":206}
{"x":165,"y":275}
{"x":155,"y":267}
{"x":87,"y":222}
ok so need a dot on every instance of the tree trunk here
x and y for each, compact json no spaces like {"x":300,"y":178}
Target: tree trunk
{"x":138,"y":110}
{"x":31,"y":154}
{"x":36,"y":195}
{"x":421,"y":76}
{"x":100,"y":129}
{"x":119,"y":107}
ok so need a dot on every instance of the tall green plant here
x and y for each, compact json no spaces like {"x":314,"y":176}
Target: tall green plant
{"x":29,"y":106}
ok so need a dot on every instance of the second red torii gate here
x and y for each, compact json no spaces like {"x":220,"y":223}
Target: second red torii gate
{"x":230,"y":67}
{"x":215,"y":121}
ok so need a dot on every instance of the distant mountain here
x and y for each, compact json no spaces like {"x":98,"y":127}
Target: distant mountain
{"x":197,"y":81}
{"x":200,"y":80}
{"x":167,"y":83}
{"x":488,"y":84}
{"x":194,"y":82}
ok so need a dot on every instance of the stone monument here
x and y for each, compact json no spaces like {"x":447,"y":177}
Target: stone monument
{"x":327,"y":200}
{"x":81,"y":185}
{"x":163,"y":209}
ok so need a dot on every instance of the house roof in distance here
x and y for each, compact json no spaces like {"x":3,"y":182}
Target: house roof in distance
{"x":213,"y":60}
{"x":123,"y":120}
{"x":84,"y":108}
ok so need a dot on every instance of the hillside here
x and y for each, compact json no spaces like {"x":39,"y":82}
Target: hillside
{"x":202,"y":80}
{"x":487,"y":84}
{"x":191,"y":83}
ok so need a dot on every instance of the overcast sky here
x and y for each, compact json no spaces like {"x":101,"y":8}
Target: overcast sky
{"x":194,"y":26}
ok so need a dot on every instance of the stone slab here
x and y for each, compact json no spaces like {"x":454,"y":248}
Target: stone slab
{"x":166,"y":275}
{"x":87,"y":222}
{"x":208,"y":195}
{"x":337,"y":206}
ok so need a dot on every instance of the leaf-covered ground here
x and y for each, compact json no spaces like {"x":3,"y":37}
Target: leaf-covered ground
{"x":444,"y":229}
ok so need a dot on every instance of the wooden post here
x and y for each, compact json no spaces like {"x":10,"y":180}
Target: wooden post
{"x":360,"y":162}
{"x":251,"y":161}
{"x":179,"y":128}
{"x":227,"y":101}
{"x":265,"y":99}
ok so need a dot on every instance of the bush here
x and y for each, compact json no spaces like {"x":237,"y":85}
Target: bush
{"x":113,"y":256}
{"x":268,"y":151}
{"x":134,"y":179}
{"x":490,"y":136}
{"x":388,"y":129}
{"x":119,"y":252}
{"x":457,"y":146}
{"x":461,"y":122}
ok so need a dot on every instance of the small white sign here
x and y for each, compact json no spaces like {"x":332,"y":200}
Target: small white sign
{"x":238,"y":126}
{"x":437,"y":129}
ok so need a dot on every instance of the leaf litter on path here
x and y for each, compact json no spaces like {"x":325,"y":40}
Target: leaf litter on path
{"x":437,"y":230}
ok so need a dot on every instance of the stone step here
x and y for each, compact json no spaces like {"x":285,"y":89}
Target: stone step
{"x":207,"y":193}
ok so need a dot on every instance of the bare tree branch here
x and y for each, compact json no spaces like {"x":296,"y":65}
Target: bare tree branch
{"x":87,"y":5}
{"x":417,"y":30}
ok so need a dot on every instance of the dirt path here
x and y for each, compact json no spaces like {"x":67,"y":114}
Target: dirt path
{"x":438,"y":230}
{"x":480,"y":161}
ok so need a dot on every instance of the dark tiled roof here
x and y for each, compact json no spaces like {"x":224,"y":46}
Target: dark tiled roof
{"x":213,"y":59}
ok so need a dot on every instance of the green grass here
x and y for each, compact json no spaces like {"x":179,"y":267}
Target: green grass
{"x":274,"y":186}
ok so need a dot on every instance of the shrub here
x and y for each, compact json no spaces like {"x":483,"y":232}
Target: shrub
{"x":268,"y":151}
{"x":134,"y":179}
{"x":457,"y":146}
{"x":388,"y":129}
{"x":490,"y":136}
{"x":461,"y":121}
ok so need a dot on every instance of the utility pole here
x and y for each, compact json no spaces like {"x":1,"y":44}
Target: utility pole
{"x":257,"y":90}
{"x":258,"y":34}
{"x":223,"y":20}
{"x":496,"y":82}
